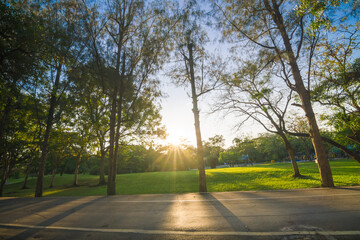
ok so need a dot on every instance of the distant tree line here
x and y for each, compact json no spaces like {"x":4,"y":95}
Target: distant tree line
{"x":269,"y":147}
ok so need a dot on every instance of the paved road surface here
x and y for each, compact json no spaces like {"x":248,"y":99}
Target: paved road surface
{"x":294,"y":214}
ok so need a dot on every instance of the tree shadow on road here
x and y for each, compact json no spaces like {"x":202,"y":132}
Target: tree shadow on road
{"x":235,"y":223}
{"x":349,"y":188}
{"x":48,"y":222}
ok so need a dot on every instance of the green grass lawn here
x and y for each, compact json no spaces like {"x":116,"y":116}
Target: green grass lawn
{"x":259,"y":177}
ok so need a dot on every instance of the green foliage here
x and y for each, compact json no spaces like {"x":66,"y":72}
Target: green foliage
{"x":230,"y":157}
{"x":133,"y":159}
{"x":265,"y":148}
{"x":339,"y":83}
{"x":249,"y":148}
{"x":20,"y":45}
{"x":324,"y":13}
{"x":20,"y":63}
{"x":212,"y":150}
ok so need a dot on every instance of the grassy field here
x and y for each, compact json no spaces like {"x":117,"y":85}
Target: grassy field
{"x":259,"y":177}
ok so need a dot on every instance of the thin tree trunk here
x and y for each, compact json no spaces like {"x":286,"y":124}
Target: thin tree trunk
{"x":102,"y":163}
{"x":117,"y":108}
{"x":76,"y":173}
{"x":291,"y":153}
{"x":53,"y":177}
{"x":7,"y":170}
{"x":110,"y":182}
{"x":118,"y":124}
{"x":3,"y":123}
{"x":3,"y":180}
{"x":323,"y":163}
{"x":4,"y":159}
{"x":49,"y":123}
{"x":28,"y":169}
{"x":4,"y":176}
{"x":199,"y":149}
{"x":63,"y":168}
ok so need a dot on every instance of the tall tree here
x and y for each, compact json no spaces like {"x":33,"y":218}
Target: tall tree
{"x":20,"y":41}
{"x":273,"y":26}
{"x":64,"y":34}
{"x":337,"y":86}
{"x":136,"y":34}
{"x":190,"y":50}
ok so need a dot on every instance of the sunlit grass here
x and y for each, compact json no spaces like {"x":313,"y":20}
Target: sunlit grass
{"x":278,"y":176}
{"x":259,"y":177}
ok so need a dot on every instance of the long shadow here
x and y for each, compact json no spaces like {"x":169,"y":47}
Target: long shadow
{"x":348,"y":188}
{"x":154,"y":214}
{"x":30,"y":204}
{"x":232,"y":219}
{"x":29,"y":232}
{"x":302,"y":213}
{"x":11,"y":204}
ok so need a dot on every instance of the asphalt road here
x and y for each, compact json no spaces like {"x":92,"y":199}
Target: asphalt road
{"x":294,"y":214}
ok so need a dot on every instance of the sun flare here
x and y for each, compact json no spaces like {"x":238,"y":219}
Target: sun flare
{"x":177,"y":138}
{"x":174,"y":140}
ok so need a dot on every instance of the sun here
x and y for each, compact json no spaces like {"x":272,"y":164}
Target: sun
{"x":179,"y":135}
{"x":174,"y":140}
{"x":177,"y":138}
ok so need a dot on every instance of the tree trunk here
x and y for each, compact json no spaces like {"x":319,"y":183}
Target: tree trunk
{"x":291,"y":153}
{"x":117,"y":108}
{"x":78,"y":161}
{"x":3,"y":180}
{"x":323,"y":163}
{"x":52,"y":178}
{"x":111,"y":182}
{"x":63,"y":168}
{"x":28,"y":169}
{"x":4,"y":159}
{"x":102,"y":163}
{"x":3,"y":123}
{"x":199,"y":149}
{"x":4,"y":175}
{"x":49,"y":123}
